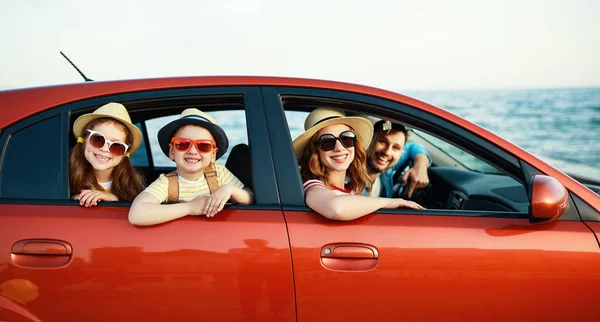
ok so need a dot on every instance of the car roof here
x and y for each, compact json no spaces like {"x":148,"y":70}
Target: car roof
{"x":20,"y":103}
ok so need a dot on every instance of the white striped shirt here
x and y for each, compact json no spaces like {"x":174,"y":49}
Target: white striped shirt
{"x":317,"y":183}
{"x":188,"y":189}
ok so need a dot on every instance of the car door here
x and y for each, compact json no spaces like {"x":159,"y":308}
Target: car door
{"x":434,"y":264}
{"x":63,"y":262}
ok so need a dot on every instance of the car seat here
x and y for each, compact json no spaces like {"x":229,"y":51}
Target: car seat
{"x":239,"y":163}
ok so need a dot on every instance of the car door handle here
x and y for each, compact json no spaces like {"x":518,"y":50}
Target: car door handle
{"x":41,"y":253}
{"x":349,"y":256}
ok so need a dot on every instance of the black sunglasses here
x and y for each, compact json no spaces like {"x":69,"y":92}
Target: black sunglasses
{"x":326,"y":142}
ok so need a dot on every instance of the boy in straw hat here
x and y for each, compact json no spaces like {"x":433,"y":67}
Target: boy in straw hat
{"x":332,"y":158}
{"x":199,"y":186}
{"x":99,"y":166}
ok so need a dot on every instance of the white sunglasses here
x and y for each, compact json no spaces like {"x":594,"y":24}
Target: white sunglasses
{"x":98,"y":140}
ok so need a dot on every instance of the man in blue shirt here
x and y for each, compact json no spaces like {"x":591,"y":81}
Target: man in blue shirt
{"x":389,"y":153}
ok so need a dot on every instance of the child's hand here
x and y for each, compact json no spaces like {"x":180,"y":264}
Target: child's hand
{"x":196,"y":205}
{"x":217,"y":200}
{"x":90,"y":198}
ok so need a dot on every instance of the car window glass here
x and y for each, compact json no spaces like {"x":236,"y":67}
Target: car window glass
{"x":462,"y":157}
{"x":233,"y":122}
{"x":140,"y":157}
{"x":31,"y":167}
{"x":296,"y":122}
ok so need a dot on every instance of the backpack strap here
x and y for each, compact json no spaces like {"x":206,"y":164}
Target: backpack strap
{"x":211,"y":178}
{"x":173,"y":190}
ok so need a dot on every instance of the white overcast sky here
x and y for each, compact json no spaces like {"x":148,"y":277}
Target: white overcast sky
{"x":397,"y":45}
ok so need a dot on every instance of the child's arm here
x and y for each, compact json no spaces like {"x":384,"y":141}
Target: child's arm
{"x":217,"y":200}
{"x":146,"y":210}
{"x":243,"y":196}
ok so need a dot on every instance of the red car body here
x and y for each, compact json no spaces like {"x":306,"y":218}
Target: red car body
{"x":277,"y":260}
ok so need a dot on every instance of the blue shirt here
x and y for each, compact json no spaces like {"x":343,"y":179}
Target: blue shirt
{"x":411,"y":150}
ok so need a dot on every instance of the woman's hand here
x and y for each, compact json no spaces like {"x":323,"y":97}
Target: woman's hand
{"x":399,"y":202}
{"x":90,"y":198}
{"x":216,"y":201}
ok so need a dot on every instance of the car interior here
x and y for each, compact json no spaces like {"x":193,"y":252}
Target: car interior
{"x":150,"y":116}
{"x":453,"y":185}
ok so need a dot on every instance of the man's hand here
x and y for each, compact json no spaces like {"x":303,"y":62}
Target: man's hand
{"x":417,"y":174}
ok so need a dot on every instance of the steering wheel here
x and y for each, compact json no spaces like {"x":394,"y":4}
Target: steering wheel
{"x":401,"y":190}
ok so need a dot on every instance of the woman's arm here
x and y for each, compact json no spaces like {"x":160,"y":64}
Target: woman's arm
{"x":348,"y":207}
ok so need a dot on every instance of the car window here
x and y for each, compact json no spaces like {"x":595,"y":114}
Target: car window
{"x":23,"y":176}
{"x":464,"y":158}
{"x":140,"y":158}
{"x":296,"y":122}
{"x":233,"y":122}
{"x":459,"y":180}
{"x":31,"y":167}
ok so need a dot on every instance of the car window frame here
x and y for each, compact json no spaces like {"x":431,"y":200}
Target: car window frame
{"x":290,"y":183}
{"x":262,"y":160}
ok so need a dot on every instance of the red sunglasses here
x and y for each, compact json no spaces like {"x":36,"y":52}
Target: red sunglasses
{"x":184,"y":145}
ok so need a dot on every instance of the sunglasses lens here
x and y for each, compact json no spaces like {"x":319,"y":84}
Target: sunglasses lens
{"x":117,"y":149}
{"x":326,"y":142}
{"x":97,"y":140}
{"x":348,"y":139}
{"x":182,"y":145}
{"x":204,"y":147}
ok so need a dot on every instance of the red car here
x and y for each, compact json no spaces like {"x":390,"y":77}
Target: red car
{"x":505,"y":236}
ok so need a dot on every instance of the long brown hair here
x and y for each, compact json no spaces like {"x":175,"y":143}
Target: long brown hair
{"x":311,"y":167}
{"x":127,"y":181}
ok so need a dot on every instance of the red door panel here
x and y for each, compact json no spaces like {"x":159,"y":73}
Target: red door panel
{"x":235,"y":266}
{"x":446,"y":268}
{"x":595,"y":227}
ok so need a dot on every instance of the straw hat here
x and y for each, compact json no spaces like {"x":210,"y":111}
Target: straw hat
{"x":325,"y":116}
{"x":114,"y":111}
{"x":193,"y":116}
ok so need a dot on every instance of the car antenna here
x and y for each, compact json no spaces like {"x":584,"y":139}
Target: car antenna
{"x":80,"y":73}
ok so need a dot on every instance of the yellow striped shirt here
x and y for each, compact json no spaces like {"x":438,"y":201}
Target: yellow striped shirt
{"x":189,"y":190}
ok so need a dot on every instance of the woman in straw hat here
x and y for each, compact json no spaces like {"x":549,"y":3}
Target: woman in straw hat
{"x":99,"y":166}
{"x":332,"y":158}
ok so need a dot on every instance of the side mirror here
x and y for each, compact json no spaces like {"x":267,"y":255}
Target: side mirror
{"x":549,"y":199}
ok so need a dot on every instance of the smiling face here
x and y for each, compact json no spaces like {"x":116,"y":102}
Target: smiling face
{"x":386,"y":150}
{"x":101,"y":159}
{"x":191,"y":164}
{"x":338,"y":159}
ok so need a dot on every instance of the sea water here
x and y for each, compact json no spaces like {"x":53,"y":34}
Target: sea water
{"x":560,"y":126}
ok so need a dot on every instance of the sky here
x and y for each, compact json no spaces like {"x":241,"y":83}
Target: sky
{"x":396,"y":45}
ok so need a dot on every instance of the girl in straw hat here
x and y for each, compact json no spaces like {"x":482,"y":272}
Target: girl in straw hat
{"x":99,"y":166}
{"x":332,"y":158}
